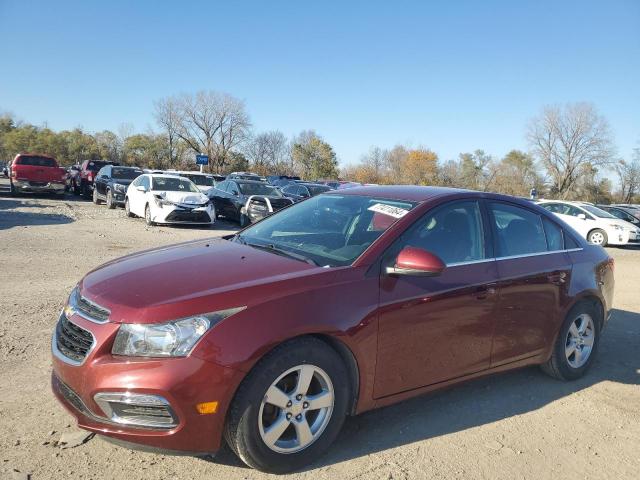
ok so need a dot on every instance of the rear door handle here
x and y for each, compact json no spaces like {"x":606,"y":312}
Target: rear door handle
{"x":484,"y":291}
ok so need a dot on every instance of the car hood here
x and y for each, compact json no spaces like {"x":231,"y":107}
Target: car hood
{"x":182,"y":197}
{"x":186,"y":279}
{"x":623,"y":223}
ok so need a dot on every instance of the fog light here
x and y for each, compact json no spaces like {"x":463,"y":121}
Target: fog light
{"x":207,"y":408}
{"x":141,"y":410}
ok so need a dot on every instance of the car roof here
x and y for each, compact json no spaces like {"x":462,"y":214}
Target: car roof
{"x":128,"y":167}
{"x":250,"y":182}
{"x":412,"y":193}
{"x":164,"y":175}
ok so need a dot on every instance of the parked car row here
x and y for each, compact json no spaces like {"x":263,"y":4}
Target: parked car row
{"x":597,"y":225}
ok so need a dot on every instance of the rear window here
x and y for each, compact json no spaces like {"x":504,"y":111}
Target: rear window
{"x":95,"y":166}
{"x":36,"y":161}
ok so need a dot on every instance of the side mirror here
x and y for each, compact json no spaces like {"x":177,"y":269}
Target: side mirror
{"x":141,"y":188}
{"x":416,"y":262}
{"x":582,"y":216}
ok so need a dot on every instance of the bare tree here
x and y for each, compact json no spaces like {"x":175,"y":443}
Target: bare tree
{"x":268,"y":152}
{"x":629,"y":175}
{"x":566,"y":139}
{"x":167,"y":115}
{"x":212,"y":123}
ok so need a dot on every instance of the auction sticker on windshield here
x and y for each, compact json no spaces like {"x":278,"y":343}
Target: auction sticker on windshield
{"x":395,"y":212}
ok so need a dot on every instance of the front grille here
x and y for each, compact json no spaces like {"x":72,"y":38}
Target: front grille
{"x":88,"y":309}
{"x":178,"y":216}
{"x":72,"y":341}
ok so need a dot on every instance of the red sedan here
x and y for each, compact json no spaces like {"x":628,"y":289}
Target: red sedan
{"x":345,"y":302}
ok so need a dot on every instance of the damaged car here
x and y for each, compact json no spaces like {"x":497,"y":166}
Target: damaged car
{"x":168,"y":199}
{"x":247,"y":201}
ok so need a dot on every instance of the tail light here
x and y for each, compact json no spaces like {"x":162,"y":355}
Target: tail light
{"x":90,"y":177}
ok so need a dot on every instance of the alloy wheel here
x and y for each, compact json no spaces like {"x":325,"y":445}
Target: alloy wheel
{"x":296,"y":409}
{"x":580,"y":339}
{"x":597,"y":238}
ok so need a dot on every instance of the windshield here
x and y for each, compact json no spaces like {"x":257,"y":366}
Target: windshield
{"x":259,"y":189}
{"x":597,"y":211}
{"x":174,"y":184}
{"x":202,"y":180}
{"x":330,"y":230}
{"x":317,"y":189}
{"x":125,"y":173}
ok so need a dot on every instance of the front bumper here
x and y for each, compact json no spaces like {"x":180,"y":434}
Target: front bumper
{"x":118,"y":197}
{"x":618,"y":237}
{"x":181,"y":382}
{"x":173,"y":214}
{"x":35,"y":187}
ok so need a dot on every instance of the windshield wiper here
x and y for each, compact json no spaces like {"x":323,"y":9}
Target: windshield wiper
{"x":270,"y":247}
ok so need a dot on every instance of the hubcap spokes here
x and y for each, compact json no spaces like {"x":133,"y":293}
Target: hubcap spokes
{"x":579,"y":342}
{"x":296,"y":409}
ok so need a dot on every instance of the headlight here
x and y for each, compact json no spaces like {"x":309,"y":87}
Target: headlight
{"x":171,"y":339}
{"x":161,"y":202}
{"x":615,"y":227}
{"x":119,"y":188}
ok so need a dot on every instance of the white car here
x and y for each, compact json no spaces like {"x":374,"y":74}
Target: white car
{"x":171,"y":199}
{"x":596,"y":225}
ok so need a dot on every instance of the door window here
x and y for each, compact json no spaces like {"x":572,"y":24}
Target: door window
{"x":555,"y":240}
{"x":518,"y":231}
{"x":453,"y":232}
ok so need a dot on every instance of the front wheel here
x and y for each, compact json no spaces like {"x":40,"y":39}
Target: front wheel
{"x":577,"y":343}
{"x":110,"y":203}
{"x":127,"y":208}
{"x":147,"y":216}
{"x":96,"y":200}
{"x":290,"y":408}
{"x":598,"y":237}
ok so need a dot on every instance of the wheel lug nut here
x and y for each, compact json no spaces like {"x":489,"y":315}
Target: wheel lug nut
{"x":299,"y":417}
{"x":289,"y":403}
{"x":298,"y":397}
{"x":289,"y":416}
{"x":305,"y":405}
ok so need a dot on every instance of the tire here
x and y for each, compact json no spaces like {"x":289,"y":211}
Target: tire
{"x":96,"y":200}
{"x":598,"y":236}
{"x":565,"y":363}
{"x":110,"y":204}
{"x":85,"y":191}
{"x":75,"y":188}
{"x":127,"y":208}
{"x":250,"y":413}
{"x":244,"y":220}
{"x":147,"y":216}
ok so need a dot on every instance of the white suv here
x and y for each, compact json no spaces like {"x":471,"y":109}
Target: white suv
{"x":594,"y":224}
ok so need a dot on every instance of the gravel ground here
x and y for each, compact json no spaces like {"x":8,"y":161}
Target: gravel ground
{"x":516,"y":425}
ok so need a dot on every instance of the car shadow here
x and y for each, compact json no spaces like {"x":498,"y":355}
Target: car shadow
{"x":10,"y":217}
{"x":479,"y":402}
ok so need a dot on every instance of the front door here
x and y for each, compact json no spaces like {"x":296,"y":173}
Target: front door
{"x":432,"y":329}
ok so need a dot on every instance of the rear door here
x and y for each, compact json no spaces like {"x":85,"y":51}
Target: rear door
{"x":534,"y":271}
{"x":433,"y":329}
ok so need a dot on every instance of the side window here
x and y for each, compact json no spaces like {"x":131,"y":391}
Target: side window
{"x":555,"y":239}
{"x":289,"y":189}
{"x":453,"y":232}
{"x":518,"y":231}
{"x":222,"y":186}
{"x":137,"y":181}
{"x":145,"y":183}
{"x":233,"y":188}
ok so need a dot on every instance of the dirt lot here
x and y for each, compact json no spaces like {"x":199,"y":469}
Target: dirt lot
{"x":517,"y":425}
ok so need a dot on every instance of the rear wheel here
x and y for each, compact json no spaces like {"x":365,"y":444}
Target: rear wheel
{"x":110,"y":203}
{"x":96,"y":200}
{"x":577,"y":343}
{"x":147,"y":216}
{"x":598,"y":237}
{"x":85,"y":190}
{"x":290,"y":408}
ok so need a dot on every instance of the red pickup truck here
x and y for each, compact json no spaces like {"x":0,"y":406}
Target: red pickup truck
{"x":32,"y":172}
{"x":83,"y":181}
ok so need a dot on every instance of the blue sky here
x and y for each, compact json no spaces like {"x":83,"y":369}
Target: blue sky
{"x":453,"y":76}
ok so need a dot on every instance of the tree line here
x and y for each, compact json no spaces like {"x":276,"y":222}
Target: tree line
{"x":571,"y":151}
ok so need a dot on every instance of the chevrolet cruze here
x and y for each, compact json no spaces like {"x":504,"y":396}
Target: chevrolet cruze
{"x":348,"y":301}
